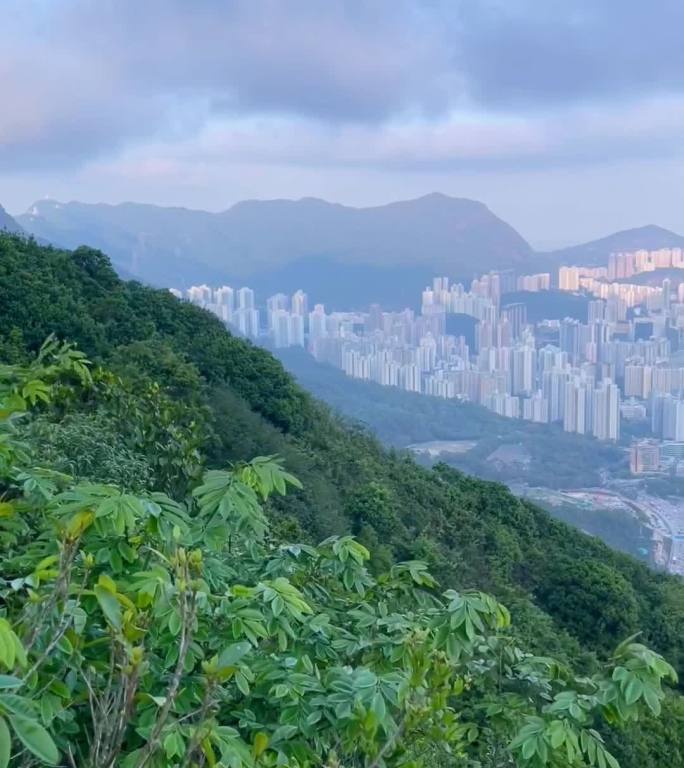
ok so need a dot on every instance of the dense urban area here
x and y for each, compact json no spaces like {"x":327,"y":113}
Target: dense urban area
{"x":608,"y":370}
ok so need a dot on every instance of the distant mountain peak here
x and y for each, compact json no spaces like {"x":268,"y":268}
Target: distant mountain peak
{"x":596,"y":252}
{"x":441,"y":197}
{"x":646,"y":230}
{"x":314,"y":200}
{"x":7,"y":223}
{"x":347,"y":255}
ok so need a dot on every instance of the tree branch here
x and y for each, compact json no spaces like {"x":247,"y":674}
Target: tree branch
{"x":189,"y":611}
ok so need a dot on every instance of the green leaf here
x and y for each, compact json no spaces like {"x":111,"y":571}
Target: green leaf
{"x":9,"y":681}
{"x":633,"y":690}
{"x":314,"y":717}
{"x":110,"y":606}
{"x":283,"y":733}
{"x":652,"y":700}
{"x":230,"y":656}
{"x":174,"y":745}
{"x":36,"y":739}
{"x":5,"y":743}
{"x":277,"y":605}
{"x":18,"y":705}
{"x":557,"y":733}
{"x":174,"y":623}
{"x":378,"y":707}
{"x":260,"y":743}
{"x":529,"y":747}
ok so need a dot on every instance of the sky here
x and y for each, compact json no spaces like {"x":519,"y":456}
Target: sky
{"x":566,"y":117}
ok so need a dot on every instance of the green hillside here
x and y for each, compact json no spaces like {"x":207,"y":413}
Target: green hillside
{"x":191,"y":395}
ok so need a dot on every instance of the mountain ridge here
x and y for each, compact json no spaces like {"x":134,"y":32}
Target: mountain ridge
{"x":7,"y":223}
{"x":594,"y":252}
{"x":344,"y":256}
{"x":247,"y":243}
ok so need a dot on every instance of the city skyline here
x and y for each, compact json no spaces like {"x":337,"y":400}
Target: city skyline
{"x":615,"y":367}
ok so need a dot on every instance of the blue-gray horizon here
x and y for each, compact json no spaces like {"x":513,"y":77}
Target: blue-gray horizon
{"x":565,"y":119}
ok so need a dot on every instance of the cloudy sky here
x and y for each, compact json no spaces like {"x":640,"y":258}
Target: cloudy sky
{"x":565,"y":116}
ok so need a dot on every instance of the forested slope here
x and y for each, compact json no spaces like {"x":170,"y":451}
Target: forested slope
{"x":569,"y":594}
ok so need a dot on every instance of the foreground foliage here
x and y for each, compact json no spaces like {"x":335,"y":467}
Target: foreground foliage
{"x":138,"y":630}
{"x":180,"y":394}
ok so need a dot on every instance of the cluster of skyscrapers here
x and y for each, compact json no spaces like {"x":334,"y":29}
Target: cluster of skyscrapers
{"x":235,"y":307}
{"x":504,"y":365}
{"x":471,"y":344}
{"x":288,"y":321}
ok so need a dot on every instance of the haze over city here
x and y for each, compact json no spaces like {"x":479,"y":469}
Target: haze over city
{"x":565,"y":119}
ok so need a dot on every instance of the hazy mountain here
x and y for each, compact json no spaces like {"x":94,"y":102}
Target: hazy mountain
{"x":596,"y":252}
{"x":341,"y":255}
{"x":7,"y":222}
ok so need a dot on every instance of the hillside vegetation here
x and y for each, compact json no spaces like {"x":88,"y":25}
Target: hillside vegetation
{"x":174,"y":395}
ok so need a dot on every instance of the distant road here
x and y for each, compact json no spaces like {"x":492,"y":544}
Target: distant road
{"x":664,"y":516}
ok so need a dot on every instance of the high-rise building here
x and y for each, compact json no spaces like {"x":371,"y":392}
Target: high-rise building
{"x":578,"y":410}
{"x":596,"y":310}
{"x":427,"y":353}
{"x":667,"y":294}
{"x":638,"y":380}
{"x":534,"y":283}
{"x":247,"y":321}
{"x":410,"y":378}
{"x":287,"y":329}
{"x":225,"y":296}
{"x":503,"y":404}
{"x":667,"y":417}
{"x":374,"y":321}
{"x":606,"y":412}
{"x":516,"y":314}
{"x":440,"y":285}
{"x":554,"y":382}
{"x":536,"y":409}
{"x":280,"y":327}
{"x":427,"y":300}
{"x":276,"y":304}
{"x":616,"y":309}
{"x":296,"y":330}
{"x":570,"y":339}
{"x":318,"y":323}
{"x":524,"y":367}
{"x":644,"y":456}
{"x":568,"y":279}
{"x":199,"y":294}
{"x":245,"y":297}
{"x":300,"y":303}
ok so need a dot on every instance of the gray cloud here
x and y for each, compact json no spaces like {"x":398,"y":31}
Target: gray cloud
{"x":334,"y":61}
{"x":527,"y":53}
{"x":391,"y":83}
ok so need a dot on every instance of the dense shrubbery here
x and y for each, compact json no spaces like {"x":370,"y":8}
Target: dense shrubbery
{"x":182,"y":394}
{"x":141,"y":630}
